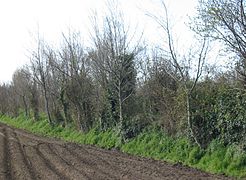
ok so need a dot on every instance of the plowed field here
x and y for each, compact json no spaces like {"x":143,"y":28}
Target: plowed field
{"x":27,"y":156}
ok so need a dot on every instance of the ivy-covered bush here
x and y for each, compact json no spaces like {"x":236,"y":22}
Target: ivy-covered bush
{"x":219,"y":112}
{"x":231,"y":116}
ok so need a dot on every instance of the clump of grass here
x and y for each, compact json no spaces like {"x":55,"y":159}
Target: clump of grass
{"x":158,"y":145}
{"x":220,"y":159}
{"x":215,"y":159}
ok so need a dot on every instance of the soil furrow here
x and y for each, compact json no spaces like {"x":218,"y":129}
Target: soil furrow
{"x":122,"y":170}
{"x":18,"y":159}
{"x":86,"y":163}
{"x":71,"y":170}
{"x":141,"y":166}
{"x":103,"y":163}
{"x":7,"y":157}
{"x":3,"y":168}
{"x":26,"y":160}
{"x":112,"y":160}
{"x":43,"y":171}
{"x":49,"y":164}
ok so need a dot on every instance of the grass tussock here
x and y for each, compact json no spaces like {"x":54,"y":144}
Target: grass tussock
{"x":150,"y":143}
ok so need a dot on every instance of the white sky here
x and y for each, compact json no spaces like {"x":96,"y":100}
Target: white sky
{"x":20,"y":17}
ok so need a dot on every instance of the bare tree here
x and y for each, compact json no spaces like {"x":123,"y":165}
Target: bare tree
{"x":4,"y":100}
{"x":185,"y":66}
{"x":30,"y":89}
{"x":41,"y":69}
{"x":160,"y":90}
{"x":21,"y":83}
{"x":76,"y":84}
{"x":225,"y":20}
{"x":58,"y":87}
{"x":114,"y":58}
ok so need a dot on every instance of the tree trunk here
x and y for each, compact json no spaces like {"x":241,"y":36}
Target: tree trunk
{"x":189,"y":118}
{"x":120,"y":114}
{"x":65,"y":106}
{"x":79,"y":117}
{"x":25,"y":106}
{"x":66,"y":116}
{"x":47,"y":107}
{"x":35,"y":102}
{"x":122,"y":138}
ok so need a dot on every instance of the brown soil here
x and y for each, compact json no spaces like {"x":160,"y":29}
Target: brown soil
{"x":27,"y":156}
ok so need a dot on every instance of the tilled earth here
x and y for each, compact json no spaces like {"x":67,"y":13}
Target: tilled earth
{"x":27,"y":156}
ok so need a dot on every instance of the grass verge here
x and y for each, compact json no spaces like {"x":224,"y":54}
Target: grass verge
{"x":151,"y":143}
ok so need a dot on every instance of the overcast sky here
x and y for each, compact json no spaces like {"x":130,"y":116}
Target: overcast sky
{"x":21,"y":18}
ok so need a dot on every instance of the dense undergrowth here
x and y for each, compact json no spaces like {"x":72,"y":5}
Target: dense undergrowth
{"x":150,"y":143}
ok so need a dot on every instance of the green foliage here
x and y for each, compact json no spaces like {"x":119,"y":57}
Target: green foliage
{"x":219,"y":112}
{"x":217,"y":158}
{"x":132,"y":127}
{"x":220,"y":159}
{"x":231,"y":115}
{"x":195,"y":155}
{"x":204,"y":116}
{"x":158,"y":145}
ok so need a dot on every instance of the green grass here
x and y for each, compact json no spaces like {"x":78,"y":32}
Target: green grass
{"x":107,"y":139}
{"x":151,"y":143}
